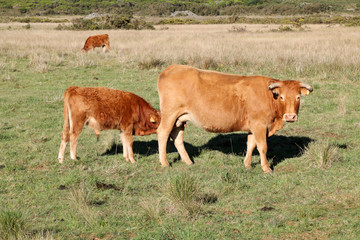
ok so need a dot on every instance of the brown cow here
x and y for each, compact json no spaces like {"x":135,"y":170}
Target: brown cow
{"x":102,"y":108}
{"x":220,"y":103}
{"x":96,"y":41}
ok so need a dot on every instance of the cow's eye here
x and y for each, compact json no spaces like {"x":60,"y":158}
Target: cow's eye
{"x":298,"y":98}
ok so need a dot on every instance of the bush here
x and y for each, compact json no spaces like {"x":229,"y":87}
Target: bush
{"x":178,"y":21}
{"x":109,"y":22}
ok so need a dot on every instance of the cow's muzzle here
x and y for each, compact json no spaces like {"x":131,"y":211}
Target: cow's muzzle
{"x":290,"y":117}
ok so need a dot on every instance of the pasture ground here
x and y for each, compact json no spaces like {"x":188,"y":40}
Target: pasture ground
{"x":101,"y":196}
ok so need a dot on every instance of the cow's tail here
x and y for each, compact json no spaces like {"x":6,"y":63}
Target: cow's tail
{"x":66,"y":128}
{"x":67,"y":115}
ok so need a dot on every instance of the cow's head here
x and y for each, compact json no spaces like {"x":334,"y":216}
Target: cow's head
{"x":85,"y":49}
{"x":288,"y":93}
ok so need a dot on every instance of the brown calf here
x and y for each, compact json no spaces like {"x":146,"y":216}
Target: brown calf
{"x":97,"y":41}
{"x":102,"y":108}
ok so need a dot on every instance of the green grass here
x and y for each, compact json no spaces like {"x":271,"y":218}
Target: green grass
{"x":103,"y":196}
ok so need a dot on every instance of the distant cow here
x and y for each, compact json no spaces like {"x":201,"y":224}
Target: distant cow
{"x":219,"y":102}
{"x":97,"y":41}
{"x":102,"y":108}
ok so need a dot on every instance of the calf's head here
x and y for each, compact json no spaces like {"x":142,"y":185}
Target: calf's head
{"x":287,"y":94}
{"x":149,"y":123}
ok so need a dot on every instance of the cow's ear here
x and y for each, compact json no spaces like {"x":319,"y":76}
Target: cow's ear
{"x":305,"y":89}
{"x":274,"y":87}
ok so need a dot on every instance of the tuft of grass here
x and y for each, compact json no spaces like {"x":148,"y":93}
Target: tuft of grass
{"x":152,"y":210}
{"x":79,"y":201}
{"x":183,"y":191}
{"x":12,"y":225}
{"x":43,"y":235}
{"x":238,"y":29}
{"x":322,"y":154}
{"x":150,"y":63}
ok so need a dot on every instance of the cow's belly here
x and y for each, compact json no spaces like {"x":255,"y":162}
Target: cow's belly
{"x":218,"y":124}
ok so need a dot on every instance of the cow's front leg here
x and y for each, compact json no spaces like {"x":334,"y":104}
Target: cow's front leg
{"x":251,"y":144}
{"x":260,"y":139}
{"x":177,"y":134}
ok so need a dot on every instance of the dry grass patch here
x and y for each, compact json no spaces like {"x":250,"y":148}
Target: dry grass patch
{"x":322,"y":154}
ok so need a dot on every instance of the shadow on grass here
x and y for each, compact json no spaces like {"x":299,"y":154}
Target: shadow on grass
{"x":279,"y":147}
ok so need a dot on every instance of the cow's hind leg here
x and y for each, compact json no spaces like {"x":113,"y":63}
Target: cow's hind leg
{"x":251,"y":144}
{"x":260,"y":138}
{"x":177,"y":134}
{"x":163,"y":132}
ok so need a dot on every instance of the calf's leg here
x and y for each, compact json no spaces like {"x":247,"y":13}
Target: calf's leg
{"x":124,"y":144}
{"x":129,"y":141}
{"x":64,"y":141}
{"x":75,"y":130}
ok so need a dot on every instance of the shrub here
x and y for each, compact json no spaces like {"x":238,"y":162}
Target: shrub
{"x":283,"y":29}
{"x":110,"y":22}
{"x":27,"y":26}
{"x":178,"y":21}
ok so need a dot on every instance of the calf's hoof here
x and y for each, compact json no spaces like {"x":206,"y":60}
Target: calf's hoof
{"x":61,"y":160}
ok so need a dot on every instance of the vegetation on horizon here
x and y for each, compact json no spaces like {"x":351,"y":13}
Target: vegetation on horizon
{"x":166,"y":7}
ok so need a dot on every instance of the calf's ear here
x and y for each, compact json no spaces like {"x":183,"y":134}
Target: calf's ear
{"x":152,"y":119}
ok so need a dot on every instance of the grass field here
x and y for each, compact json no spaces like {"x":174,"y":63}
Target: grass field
{"x":314,"y":192}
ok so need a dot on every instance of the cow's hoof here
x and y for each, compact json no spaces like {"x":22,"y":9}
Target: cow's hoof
{"x":188,"y":162}
{"x":267,"y":170}
{"x":61,"y":160}
{"x":165,"y":164}
{"x":248,"y":167}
